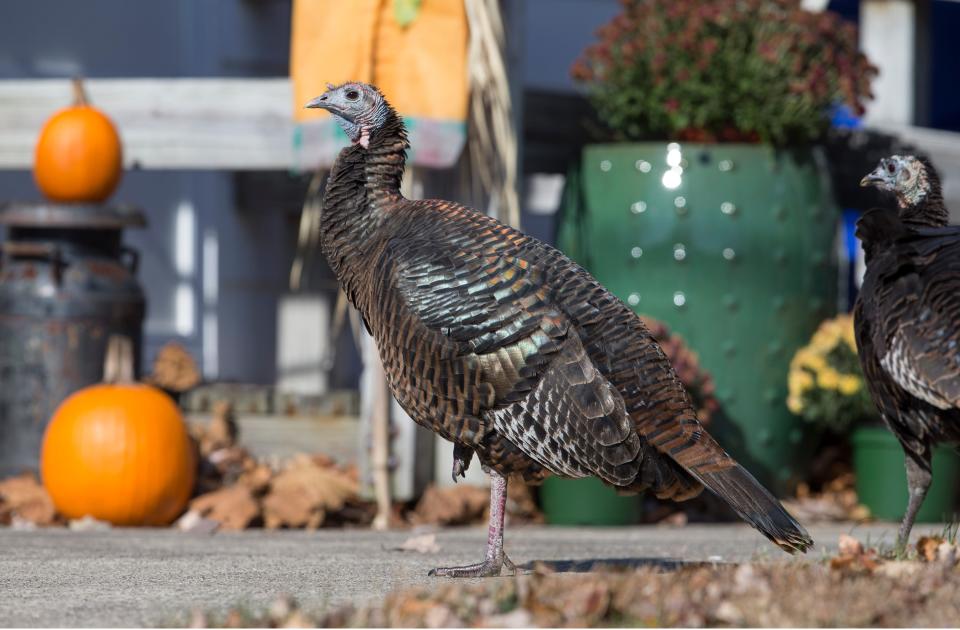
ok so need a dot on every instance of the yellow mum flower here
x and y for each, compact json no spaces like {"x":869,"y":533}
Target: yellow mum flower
{"x":799,"y":381}
{"x":825,"y":339}
{"x":806,"y":357}
{"x":849,"y":384}
{"x":795,"y":404}
{"x":828,"y":378}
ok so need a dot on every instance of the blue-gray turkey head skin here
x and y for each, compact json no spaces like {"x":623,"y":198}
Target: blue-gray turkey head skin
{"x":503,"y":345}
{"x":907,"y":316}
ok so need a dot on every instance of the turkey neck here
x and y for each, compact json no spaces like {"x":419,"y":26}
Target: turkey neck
{"x":927,"y":212}
{"x":364,"y":185}
{"x":922,"y":206}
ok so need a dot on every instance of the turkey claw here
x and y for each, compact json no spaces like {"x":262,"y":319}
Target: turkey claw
{"x":461,"y":461}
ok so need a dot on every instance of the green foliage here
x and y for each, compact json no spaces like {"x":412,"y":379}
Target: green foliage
{"x":723,"y":70}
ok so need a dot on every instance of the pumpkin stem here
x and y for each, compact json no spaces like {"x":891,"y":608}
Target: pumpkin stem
{"x":79,"y":93}
{"x":118,"y":365}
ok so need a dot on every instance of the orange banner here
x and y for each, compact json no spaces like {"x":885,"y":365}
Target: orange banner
{"x":421,"y":67}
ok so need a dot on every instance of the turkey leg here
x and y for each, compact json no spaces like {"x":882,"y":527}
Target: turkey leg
{"x":496,"y":558}
{"x":918,"y":481}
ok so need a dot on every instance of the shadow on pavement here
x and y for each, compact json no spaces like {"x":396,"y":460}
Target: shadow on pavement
{"x":598,"y":564}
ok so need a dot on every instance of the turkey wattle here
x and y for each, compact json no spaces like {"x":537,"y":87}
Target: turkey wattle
{"x":507,"y":348}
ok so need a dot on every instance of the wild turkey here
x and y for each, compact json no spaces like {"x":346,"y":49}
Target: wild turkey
{"x":507,"y":348}
{"x":907,"y":317}
{"x":915,"y":184}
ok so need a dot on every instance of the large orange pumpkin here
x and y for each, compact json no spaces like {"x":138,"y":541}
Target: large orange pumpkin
{"x":78,"y":157}
{"x":119,"y":452}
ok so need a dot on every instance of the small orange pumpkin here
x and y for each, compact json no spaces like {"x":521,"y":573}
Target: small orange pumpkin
{"x":119,"y":452}
{"x":78,"y":157}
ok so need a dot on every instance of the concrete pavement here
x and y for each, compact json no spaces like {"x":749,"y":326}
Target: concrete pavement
{"x":127,"y":577}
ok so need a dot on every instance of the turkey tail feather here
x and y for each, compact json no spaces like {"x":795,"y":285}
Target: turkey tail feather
{"x":754,"y":503}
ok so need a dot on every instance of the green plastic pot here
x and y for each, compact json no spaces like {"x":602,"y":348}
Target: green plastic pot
{"x":882,"y":480}
{"x":586,"y":501}
{"x":735,"y":252}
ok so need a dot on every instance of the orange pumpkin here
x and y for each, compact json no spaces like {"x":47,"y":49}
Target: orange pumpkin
{"x":78,"y":157}
{"x":119,"y":452}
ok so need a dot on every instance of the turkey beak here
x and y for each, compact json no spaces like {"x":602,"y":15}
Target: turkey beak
{"x":877,"y":177}
{"x":321,"y":102}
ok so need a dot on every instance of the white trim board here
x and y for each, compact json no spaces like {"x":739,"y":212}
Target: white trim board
{"x":227,"y":124}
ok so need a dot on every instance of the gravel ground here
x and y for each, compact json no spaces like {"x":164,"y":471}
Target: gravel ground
{"x":127,"y":577}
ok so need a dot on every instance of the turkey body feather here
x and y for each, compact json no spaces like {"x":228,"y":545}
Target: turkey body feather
{"x":908,"y":328}
{"x":510,"y":350}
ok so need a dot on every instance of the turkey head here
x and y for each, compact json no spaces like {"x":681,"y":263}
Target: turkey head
{"x":358,"y":108}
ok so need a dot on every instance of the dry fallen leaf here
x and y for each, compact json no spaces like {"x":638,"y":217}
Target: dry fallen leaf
{"x":233,"y":507}
{"x":927,"y":547}
{"x":424,"y":543}
{"x":192,"y":522}
{"x":849,"y":546}
{"x":26,"y":499}
{"x":174,"y":369}
{"x":521,"y":505}
{"x":222,"y":430}
{"x":303,"y":494}
{"x":257,"y":477}
{"x":462,"y":504}
{"x":852,"y":558}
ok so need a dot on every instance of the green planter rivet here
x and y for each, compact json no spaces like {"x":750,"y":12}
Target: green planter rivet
{"x":732,"y":183}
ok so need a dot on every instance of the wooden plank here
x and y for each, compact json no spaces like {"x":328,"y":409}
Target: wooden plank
{"x":230,"y":124}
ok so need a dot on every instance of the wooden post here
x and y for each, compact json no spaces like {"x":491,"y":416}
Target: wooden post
{"x":380,"y":428}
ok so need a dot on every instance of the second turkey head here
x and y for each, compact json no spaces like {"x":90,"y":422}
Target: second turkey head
{"x":358,"y":108}
{"x":906,"y":176}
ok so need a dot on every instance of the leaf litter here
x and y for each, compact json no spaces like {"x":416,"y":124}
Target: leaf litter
{"x":858,"y":586}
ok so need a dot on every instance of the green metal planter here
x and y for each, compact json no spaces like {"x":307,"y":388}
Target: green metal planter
{"x":586,"y":502}
{"x":882,"y":482}
{"x":733,"y":246}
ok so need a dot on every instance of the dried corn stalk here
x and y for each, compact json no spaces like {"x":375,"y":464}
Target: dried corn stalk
{"x":491,"y":136}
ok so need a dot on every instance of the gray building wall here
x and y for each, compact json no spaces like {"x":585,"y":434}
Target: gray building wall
{"x":184,"y":38}
{"x":254,"y":242}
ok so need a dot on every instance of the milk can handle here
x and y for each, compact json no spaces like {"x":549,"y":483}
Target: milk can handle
{"x":27,"y":249}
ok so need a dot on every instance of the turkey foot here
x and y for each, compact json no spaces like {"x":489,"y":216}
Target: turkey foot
{"x":490,"y":567}
{"x":461,"y":461}
{"x":496,"y":558}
